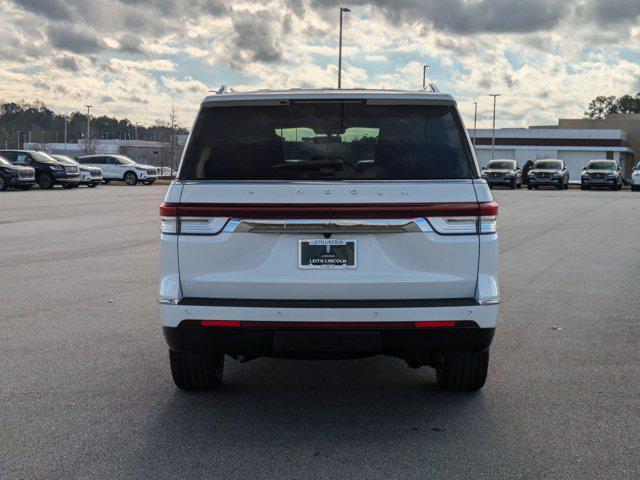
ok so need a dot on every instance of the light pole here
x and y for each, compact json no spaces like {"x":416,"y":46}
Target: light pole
{"x":475,"y":122}
{"x":424,"y":76}
{"x":135,"y":127}
{"x":342,"y":10}
{"x":493,"y":128}
{"x":87,"y":147}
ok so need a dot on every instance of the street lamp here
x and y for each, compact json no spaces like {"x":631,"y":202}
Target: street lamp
{"x":342,"y":10}
{"x":86,"y":142}
{"x":424,"y":76}
{"x":66,"y":123}
{"x":493,"y":128}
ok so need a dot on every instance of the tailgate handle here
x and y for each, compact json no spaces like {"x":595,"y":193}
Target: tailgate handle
{"x":398,"y":225}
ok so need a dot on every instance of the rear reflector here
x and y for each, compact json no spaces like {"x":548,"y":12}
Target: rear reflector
{"x":220,"y":323}
{"x":435,"y":324}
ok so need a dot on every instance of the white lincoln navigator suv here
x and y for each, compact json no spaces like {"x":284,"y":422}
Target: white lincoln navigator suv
{"x":329,"y":224}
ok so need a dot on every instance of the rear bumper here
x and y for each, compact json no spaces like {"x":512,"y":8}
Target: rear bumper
{"x":303,"y":332}
{"x":416,"y":345}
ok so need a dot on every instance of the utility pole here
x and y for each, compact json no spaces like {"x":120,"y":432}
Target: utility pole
{"x":135,"y":129}
{"x":493,"y":128}
{"x":18,"y":139}
{"x":66,"y":120}
{"x":475,"y":122}
{"x":424,"y":76}
{"x":342,"y":10}
{"x":87,"y":145}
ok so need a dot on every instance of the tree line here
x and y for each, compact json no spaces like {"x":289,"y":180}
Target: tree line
{"x":22,"y":122}
{"x":603,"y":105}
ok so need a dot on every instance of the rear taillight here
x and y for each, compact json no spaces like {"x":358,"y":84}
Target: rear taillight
{"x":488,"y":220}
{"x":202,"y":225}
{"x":445,"y":219}
{"x":454,"y":225}
{"x":168,"y":219}
{"x":173,"y":221}
{"x":484,"y":221}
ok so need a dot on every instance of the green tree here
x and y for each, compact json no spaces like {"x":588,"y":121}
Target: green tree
{"x":601,"y":106}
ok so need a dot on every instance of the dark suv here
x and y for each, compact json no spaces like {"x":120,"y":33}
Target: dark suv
{"x":601,"y":173}
{"x":503,"y":172}
{"x":49,"y":171}
{"x":552,"y":173}
{"x":15,"y":176}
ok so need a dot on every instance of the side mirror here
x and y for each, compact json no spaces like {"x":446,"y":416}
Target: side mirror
{"x":484,"y":168}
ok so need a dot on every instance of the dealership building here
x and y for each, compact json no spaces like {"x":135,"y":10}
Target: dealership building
{"x":575,"y":146}
{"x":576,"y":141}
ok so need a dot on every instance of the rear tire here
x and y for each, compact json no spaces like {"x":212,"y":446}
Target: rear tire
{"x":92,"y":185}
{"x":106,"y":182}
{"x":463,"y":372}
{"x":196,"y":371}
{"x":529,"y":187}
{"x":3,"y":183}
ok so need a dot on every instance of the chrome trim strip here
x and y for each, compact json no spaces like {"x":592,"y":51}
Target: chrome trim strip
{"x":328,"y":225}
{"x":167,"y":301}
{"x":492,"y":301}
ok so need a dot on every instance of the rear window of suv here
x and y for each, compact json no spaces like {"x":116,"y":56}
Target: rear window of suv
{"x":328,"y":141}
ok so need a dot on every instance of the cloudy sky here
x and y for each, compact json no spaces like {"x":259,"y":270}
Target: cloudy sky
{"x":134,"y":58}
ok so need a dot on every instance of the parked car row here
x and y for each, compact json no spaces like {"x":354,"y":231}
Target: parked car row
{"x":23,"y":168}
{"x":554,"y":173}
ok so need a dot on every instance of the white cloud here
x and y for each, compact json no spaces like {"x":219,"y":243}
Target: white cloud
{"x":547,"y":58}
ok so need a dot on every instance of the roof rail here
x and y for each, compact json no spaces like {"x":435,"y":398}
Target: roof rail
{"x":431,"y":88}
{"x":224,"y":89}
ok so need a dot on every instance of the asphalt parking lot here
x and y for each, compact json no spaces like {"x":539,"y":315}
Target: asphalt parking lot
{"x":85,"y":388}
